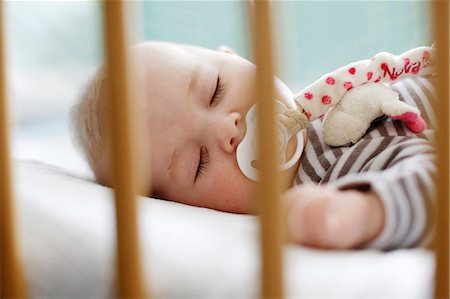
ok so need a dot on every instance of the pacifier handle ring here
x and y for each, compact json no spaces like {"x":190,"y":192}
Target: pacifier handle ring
{"x":297,"y":154}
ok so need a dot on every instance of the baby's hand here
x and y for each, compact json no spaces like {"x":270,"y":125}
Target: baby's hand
{"x":325,"y":217}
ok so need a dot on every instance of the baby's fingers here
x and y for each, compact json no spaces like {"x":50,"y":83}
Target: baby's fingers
{"x":322,"y":217}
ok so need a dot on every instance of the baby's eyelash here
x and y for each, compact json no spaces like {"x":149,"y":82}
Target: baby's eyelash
{"x":217,"y":93}
{"x":204,"y":159}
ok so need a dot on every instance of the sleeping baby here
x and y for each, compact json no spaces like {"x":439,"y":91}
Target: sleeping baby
{"x":374,"y":193}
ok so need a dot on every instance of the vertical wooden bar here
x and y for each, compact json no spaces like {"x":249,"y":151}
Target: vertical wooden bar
{"x":441,"y":239}
{"x":269,"y":182}
{"x":11,"y":276}
{"x":123,"y":152}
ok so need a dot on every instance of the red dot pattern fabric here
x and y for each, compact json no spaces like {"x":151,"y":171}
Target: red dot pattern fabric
{"x":317,"y":98}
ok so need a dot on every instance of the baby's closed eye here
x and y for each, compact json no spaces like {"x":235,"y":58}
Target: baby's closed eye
{"x":203,"y":160}
{"x":218,"y":93}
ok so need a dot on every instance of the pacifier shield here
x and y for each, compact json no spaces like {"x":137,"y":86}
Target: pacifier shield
{"x":247,"y":150}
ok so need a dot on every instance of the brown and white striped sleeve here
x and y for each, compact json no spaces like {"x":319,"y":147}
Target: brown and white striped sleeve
{"x":389,"y":160}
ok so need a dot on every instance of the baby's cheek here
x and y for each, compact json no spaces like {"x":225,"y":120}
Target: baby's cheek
{"x":232,"y":192}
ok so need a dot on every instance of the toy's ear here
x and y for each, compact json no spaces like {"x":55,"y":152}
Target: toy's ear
{"x":226,"y":49}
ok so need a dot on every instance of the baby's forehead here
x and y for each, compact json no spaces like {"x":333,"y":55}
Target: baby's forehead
{"x":167,"y":49}
{"x":166,"y":72}
{"x":157,"y":61}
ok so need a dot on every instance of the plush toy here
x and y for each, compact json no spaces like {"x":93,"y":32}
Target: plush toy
{"x":357,"y":96}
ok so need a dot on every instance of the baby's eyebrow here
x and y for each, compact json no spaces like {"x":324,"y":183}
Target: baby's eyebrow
{"x":194,"y":76}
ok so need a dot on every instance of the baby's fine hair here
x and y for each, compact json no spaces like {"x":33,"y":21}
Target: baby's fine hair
{"x":88,"y":118}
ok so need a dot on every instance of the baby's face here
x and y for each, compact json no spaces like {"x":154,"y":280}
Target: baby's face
{"x":195,"y":105}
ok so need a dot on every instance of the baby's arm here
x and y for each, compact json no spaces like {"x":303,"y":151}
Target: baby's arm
{"x":325,"y":217}
{"x":398,"y":197}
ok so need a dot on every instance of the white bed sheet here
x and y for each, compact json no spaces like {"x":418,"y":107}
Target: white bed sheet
{"x":53,"y":149}
{"x":67,"y":238}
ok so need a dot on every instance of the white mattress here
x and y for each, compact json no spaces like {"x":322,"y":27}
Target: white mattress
{"x":67,"y":238}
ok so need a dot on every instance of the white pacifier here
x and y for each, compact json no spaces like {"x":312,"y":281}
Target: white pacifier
{"x":247,"y":150}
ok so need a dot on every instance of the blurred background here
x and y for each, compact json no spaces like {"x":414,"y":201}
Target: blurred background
{"x":54,"y":47}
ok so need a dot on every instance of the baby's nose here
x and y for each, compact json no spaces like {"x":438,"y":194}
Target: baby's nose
{"x":228,"y":133}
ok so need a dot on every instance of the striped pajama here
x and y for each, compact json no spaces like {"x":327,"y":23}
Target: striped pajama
{"x":391,"y":161}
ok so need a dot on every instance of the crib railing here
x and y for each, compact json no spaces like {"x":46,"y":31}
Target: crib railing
{"x":126,"y":180}
{"x":11,"y":277}
{"x":268,"y":189}
{"x":124,"y":152}
{"x":441,"y":239}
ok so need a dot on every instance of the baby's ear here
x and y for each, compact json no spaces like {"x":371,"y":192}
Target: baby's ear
{"x":226,"y":49}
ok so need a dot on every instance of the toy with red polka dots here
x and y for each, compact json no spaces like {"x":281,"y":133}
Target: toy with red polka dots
{"x":316,"y":99}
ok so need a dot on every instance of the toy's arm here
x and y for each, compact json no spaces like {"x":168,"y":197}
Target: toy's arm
{"x":316,"y":99}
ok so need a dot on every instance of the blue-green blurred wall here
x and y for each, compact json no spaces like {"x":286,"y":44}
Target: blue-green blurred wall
{"x":313,"y":37}
{"x":53,"y":47}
